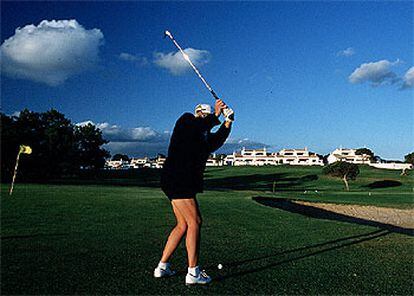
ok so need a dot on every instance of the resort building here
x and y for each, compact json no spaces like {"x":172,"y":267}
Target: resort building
{"x":136,"y":163}
{"x":348,"y":155}
{"x":297,"y":157}
{"x":116,"y":164}
{"x":261,"y":157}
{"x":214,"y":160}
{"x":159,"y":161}
{"x":254,"y":157}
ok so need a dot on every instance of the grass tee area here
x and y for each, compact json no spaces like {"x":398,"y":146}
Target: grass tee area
{"x":96,"y":237}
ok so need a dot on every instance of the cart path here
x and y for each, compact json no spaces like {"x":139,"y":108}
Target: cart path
{"x":397,"y":217}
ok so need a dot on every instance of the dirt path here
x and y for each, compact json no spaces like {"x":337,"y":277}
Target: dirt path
{"x":396,"y":217}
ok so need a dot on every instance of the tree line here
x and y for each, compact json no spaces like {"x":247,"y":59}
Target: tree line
{"x":60,"y":148}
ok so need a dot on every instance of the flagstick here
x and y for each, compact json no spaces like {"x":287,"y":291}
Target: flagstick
{"x":15,"y":173}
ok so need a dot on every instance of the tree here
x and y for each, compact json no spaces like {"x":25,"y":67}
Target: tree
{"x":409,"y":158}
{"x":366,"y":151}
{"x":344,"y":170}
{"x":89,"y":140}
{"x":325,"y":158}
{"x":9,"y":145}
{"x":119,"y":156}
{"x":59,"y":148}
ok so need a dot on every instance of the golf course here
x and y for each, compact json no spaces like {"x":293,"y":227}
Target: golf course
{"x":104,"y":235}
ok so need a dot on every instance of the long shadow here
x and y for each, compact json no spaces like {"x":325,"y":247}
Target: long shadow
{"x":331,"y":245}
{"x":332,"y":242}
{"x":146,"y":177}
{"x":383,"y":184}
{"x":260,"y":182}
{"x":314,"y":212}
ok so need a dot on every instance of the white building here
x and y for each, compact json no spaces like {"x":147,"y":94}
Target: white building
{"x":254,"y":157}
{"x":260,"y":157}
{"x":298,"y":157}
{"x":116,"y":164}
{"x":392,"y":166}
{"x":214,"y":161}
{"x":136,"y":163}
{"x":348,"y":155}
{"x":159,"y":161}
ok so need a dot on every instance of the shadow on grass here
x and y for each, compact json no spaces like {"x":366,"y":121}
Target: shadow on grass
{"x":383,"y":184}
{"x":262,"y":182}
{"x":303,"y":252}
{"x":314,"y":212}
{"x":147,"y":177}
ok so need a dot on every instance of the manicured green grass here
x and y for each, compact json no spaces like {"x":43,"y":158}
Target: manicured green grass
{"x":372,"y":186}
{"x":72,"y":239}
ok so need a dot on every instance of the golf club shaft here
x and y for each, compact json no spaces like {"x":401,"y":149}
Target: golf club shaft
{"x":187,"y":58}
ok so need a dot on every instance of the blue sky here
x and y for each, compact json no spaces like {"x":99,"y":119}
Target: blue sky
{"x":314,"y":74}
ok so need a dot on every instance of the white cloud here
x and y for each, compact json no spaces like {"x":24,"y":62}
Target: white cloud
{"x":408,"y":79}
{"x":84,"y":123}
{"x":137,"y":141}
{"x":377,"y":73}
{"x":50,"y":52}
{"x":115,"y":133}
{"x":136,"y":59}
{"x":175,"y":62}
{"x":145,"y":141}
{"x":346,"y":52}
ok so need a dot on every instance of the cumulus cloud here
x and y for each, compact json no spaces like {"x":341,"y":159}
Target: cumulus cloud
{"x":175,"y":62}
{"x":115,"y":133}
{"x":408,"y":79}
{"x":137,"y":141}
{"x":377,"y":73}
{"x":145,"y":141}
{"x":346,"y":52}
{"x":135,"y":59}
{"x":50,"y":52}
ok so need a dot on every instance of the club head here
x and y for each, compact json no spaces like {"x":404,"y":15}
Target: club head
{"x":167,"y":33}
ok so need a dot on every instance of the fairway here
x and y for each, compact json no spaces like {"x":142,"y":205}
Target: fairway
{"x":97,"y":239}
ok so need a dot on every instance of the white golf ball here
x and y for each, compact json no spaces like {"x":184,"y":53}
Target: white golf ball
{"x":219,"y":266}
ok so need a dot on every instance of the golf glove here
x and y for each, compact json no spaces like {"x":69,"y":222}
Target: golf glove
{"x":228,"y":114}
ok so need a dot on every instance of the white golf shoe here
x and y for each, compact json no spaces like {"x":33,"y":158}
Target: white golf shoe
{"x":164,"y":271}
{"x":199,"y":279}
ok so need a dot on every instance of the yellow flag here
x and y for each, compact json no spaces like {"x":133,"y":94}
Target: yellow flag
{"x":25,"y":149}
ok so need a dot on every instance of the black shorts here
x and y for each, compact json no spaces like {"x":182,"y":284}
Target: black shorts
{"x":179,"y":195}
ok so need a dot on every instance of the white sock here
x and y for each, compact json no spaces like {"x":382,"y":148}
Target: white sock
{"x":195,"y":271}
{"x":163,"y":265}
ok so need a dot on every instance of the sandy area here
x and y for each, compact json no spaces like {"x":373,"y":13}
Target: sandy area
{"x":397,"y":217}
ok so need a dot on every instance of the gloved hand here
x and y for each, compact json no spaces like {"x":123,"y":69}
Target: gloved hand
{"x":228,"y":114}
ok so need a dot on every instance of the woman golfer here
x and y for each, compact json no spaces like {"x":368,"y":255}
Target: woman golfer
{"x":182,"y":178}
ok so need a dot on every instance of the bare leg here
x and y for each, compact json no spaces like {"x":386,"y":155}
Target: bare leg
{"x":175,"y":236}
{"x":191,"y":213}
